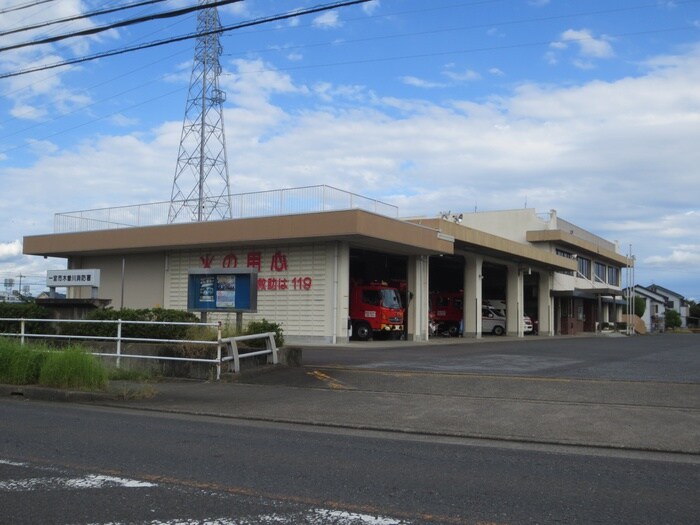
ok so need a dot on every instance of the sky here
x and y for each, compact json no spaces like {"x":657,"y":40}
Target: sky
{"x":590,"y":108}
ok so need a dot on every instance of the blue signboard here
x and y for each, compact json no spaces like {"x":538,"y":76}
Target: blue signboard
{"x":222,"y":290}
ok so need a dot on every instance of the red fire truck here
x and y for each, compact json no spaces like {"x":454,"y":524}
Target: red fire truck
{"x":445,"y":315}
{"x":375,"y":308}
{"x":445,"y":312}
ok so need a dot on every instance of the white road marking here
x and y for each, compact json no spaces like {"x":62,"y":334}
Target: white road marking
{"x":314,"y":516}
{"x":92,"y":481}
{"x":311,"y":517}
{"x":13,"y":463}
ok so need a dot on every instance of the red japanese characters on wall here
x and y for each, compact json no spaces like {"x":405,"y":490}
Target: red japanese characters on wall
{"x":255,"y":260}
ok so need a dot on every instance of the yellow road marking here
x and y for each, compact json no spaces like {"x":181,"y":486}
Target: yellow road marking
{"x":332,"y":383}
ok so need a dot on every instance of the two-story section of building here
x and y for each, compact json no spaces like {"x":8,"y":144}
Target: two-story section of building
{"x":584,"y":299}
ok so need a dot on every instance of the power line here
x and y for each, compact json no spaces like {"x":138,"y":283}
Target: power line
{"x":472,"y":50}
{"x":461,"y":28}
{"x":79,"y":17}
{"x":373,"y":60}
{"x":250,"y":23}
{"x":23,"y":6}
{"x":121,"y":23}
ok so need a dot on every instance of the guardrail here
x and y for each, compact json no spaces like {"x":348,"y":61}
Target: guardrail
{"x":235,"y":355}
{"x":230,"y":342}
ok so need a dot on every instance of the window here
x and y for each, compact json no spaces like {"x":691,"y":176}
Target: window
{"x":601,"y":271}
{"x":613,"y":275}
{"x":371,"y":297}
{"x":584,"y":267}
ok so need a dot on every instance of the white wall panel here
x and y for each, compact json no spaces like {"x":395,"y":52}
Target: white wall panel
{"x":293,"y":284}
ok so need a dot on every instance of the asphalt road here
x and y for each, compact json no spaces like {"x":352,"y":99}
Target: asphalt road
{"x":295,"y":445}
{"x":62,"y":463}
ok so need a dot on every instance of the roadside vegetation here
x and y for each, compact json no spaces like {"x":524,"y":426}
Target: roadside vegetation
{"x":70,"y":368}
{"x":61,"y":363}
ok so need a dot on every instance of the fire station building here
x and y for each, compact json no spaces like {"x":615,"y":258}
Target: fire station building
{"x":308,"y":248}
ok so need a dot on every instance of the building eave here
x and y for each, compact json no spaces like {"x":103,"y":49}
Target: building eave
{"x":357,"y":227}
{"x":567,"y":239}
{"x":470,"y":239}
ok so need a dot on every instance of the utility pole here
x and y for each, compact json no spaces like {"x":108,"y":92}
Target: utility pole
{"x":201,"y":189}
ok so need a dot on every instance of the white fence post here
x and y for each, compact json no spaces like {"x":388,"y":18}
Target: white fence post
{"x":21,"y":331}
{"x":218,"y":352}
{"x":119,"y":343}
{"x":273,"y":347}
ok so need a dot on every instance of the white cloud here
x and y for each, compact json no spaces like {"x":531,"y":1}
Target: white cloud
{"x":421,"y":83}
{"x":370,"y":7}
{"x":684,"y":255}
{"x":10,"y":249}
{"x":123,"y":121}
{"x":467,"y":75}
{"x":589,"y":47}
{"x":28,"y":112}
{"x":42,"y":147}
{"x":327,"y":20}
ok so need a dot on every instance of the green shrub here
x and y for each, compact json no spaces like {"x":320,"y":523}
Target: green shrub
{"x":147,"y":331}
{"x":24,"y":311}
{"x":73,"y":368}
{"x":20,"y":365}
{"x":672,"y":319}
{"x":261,"y":327}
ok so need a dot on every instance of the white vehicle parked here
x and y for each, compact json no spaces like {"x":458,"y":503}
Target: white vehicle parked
{"x":492,"y":321}
{"x":493,"y":315}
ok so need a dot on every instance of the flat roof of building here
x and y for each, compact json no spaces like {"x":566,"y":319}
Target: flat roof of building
{"x":360,"y":228}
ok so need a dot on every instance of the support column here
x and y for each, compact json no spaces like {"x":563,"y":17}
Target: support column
{"x":545,"y":305}
{"x":514,"y":301}
{"x":417,"y":298}
{"x":473,"y":297}
{"x":340,"y":270}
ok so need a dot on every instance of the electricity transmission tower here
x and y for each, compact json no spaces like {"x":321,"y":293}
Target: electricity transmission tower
{"x":201,"y":187}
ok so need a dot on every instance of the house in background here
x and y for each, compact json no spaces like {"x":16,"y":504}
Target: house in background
{"x":655,"y":310}
{"x":674,"y":301}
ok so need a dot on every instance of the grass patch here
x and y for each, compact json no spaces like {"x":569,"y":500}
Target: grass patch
{"x":20,"y":365}
{"x":122,"y":374}
{"x":73,"y":368}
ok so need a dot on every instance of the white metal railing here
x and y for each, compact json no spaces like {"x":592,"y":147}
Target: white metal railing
{"x":235,"y":355}
{"x":119,"y":339}
{"x":289,"y":201}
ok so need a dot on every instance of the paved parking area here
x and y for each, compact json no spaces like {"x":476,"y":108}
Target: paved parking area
{"x":667,"y":358}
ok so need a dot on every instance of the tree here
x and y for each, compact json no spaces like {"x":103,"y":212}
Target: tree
{"x":694,"y":318}
{"x":673,"y":319}
{"x":640,"y":305}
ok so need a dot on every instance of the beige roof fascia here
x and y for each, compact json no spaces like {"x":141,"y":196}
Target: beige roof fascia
{"x":566,"y":238}
{"x":358,"y":227}
{"x":500,"y":247}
